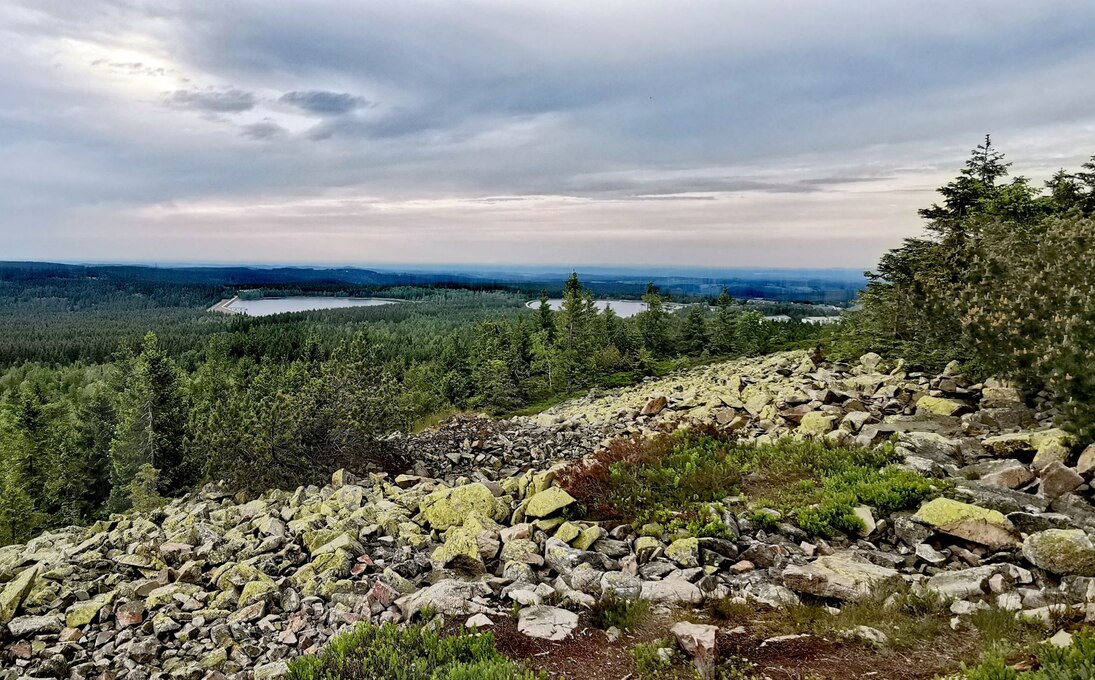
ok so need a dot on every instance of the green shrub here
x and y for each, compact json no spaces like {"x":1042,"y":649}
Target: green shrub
{"x":1075,"y":662}
{"x":389,"y":652}
{"x":680,"y":481}
{"x":649,"y":662}
{"x":613,"y":610}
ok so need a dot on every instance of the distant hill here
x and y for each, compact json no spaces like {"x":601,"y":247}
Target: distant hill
{"x":833,"y":286}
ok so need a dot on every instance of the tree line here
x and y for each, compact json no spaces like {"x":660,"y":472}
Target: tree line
{"x":283,"y":400}
{"x":1002,"y":281}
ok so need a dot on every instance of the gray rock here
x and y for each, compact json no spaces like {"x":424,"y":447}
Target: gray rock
{"x":25,"y":626}
{"x":546,"y":623}
{"x":843,"y":576}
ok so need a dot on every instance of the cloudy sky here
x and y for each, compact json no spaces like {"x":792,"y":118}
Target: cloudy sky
{"x":686,"y":132}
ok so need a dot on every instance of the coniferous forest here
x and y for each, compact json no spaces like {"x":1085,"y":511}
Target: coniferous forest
{"x":117,"y":391}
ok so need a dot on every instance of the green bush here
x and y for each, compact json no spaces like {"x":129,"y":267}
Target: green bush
{"x":680,"y":481}
{"x":613,"y":610}
{"x":389,"y":652}
{"x":1075,"y":662}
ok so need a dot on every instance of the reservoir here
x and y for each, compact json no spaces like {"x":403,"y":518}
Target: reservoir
{"x":623,"y":308}
{"x":268,"y":306}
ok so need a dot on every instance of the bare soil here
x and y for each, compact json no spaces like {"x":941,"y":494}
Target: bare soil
{"x":589,"y":655}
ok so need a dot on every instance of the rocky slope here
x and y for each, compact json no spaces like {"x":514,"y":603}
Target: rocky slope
{"x":216,"y":585}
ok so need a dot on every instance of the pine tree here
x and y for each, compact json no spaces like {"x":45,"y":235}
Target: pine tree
{"x":151,"y":422}
{"x":544,"y":317}
{"x":654,"y":323}
{"x":724,"y":327}
{"x":694,"y":332}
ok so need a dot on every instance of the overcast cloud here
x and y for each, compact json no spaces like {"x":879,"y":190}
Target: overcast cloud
{"x":684,"y":132}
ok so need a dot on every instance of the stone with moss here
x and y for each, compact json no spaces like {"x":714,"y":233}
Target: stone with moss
{"x":82,"y":613}
{"x":816,"y":423}
{"x":685,"y":552}
{"x":941,"y":406}
{"x":548,"y":502}
{"x":969,"y":522}
{"x":1065,"y":552}
{"x":165,"y":594}
{"x":13,"y":594}
{"x":447,"y":508}
{"x":843,"y":575}
{"x":567,"y":532}
{"x":256,"y":591}
{"x":588,"y":537}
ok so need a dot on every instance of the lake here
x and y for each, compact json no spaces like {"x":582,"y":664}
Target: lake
{"x":623,"y":308}
{"x":268,"y":306}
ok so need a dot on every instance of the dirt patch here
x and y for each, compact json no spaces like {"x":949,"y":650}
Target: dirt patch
{"x":589,"y":655}
{"x":816,"y":657}
{"x":586,"y":655}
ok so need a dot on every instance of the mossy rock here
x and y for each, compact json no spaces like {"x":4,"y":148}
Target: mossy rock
{"x":588,"y":537}
{"x":970,"y":522}
{"x":941,"y":407}
{"x":83,"y":613}
{"x":567,"y":532}
{"x":13,"y":594}
{"x":257,"y":590}
{"x":548,"y":502}
{"x":685,"y":552}
{"x":447,"y":508}
{"x":1065,"y":552}
{"x":164,"y":594}
{"x":817,"y":423}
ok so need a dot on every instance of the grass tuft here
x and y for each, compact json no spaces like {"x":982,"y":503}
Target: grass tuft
{"x":389,"y":652}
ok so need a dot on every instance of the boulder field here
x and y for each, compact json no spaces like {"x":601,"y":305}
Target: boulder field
{"x":217,"y":584}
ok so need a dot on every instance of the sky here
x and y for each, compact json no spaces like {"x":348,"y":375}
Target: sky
{"x":697,"y":133}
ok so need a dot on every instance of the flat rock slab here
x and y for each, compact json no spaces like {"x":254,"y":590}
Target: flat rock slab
{"x":843,"y":575}
{"x":546,"y":623}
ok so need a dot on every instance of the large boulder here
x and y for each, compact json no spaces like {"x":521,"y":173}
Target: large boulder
{"x":940,"y":406}
{"x":671,"y":592}
{"x":817,"y":423}
{"x":548,"y":502}
{"x":447,"y":508}
{"x":449,"y":597}
{"x":13,"y":594}
{"x":969,"y":522}
{"x":844,"y":575}
{"x":963,"y":583}
{"x":1066,"y":552}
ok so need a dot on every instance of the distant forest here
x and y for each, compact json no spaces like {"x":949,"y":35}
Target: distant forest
{"x":119,"y":387}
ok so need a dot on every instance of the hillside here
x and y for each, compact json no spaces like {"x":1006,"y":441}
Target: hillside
{"x":478,"y":531}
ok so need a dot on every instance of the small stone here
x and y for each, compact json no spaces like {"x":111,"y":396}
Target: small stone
{"x":546,"y":623}
{"x":478,"y":621}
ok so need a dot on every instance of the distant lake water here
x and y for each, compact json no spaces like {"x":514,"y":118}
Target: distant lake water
{"x":623,"y":308}
{"x":268,"y":306}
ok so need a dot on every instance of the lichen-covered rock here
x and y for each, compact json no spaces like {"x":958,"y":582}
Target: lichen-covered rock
{"x":843,"y":575}
{"x":449,"y":597}
{"x":941,"y":406}
{"x":685,"y":552}
{"x":970,"y":522}
{"x":548,"y":502}
{"x":447,"y":508}
{"x":81,"y":614}
{"x":817,"y":423}
{"x":13,"y":594}
{"x":1065,"y":552}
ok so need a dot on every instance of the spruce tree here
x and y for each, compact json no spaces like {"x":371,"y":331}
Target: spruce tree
{"x":151,"y":422}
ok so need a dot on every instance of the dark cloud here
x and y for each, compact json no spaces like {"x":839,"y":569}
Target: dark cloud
{"x":212,"y":101}
{"x":324,"y":103}
{"x":835,"y":119}
{"x":266,"y":129}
